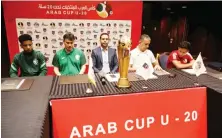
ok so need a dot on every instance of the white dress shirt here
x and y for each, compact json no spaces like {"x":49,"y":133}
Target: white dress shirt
{"x":105,"y":57}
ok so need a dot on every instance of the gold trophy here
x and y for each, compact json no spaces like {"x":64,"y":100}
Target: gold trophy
{"x":123,"y":58}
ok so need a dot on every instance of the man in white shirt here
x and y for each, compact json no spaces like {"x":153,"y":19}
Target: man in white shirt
{"x":104,"y":58}
{"x":141,"y":55}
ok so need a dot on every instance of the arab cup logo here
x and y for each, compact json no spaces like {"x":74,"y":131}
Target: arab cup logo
{"x":146,"y":66}
{"x":198,"y":65}
{"x":104,"y":10}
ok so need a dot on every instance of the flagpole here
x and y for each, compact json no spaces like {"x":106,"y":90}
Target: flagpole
{"x":197,"y":81}
{"x":89,"y":90}
{"x":91,"y":77}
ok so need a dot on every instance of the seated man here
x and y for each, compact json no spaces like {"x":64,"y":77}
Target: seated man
{"x":70,"y":60}
{"x":141,"y":54}
{"x":180,"y":58}
{"x":104,"y":58}
{"x":30,"y":62}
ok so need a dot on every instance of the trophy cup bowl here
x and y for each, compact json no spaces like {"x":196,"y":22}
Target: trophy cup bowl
{"x":123,"y":59}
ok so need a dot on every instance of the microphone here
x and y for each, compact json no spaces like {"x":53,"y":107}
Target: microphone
{"x":102,"y":77}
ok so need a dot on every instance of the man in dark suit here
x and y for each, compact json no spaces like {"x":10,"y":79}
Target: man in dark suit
{"x":104,"y":58}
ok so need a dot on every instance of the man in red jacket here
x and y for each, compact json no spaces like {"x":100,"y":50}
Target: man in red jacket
{"x":180,"y":58}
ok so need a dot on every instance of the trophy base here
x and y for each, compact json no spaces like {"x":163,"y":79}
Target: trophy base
{"x":123,"y":83}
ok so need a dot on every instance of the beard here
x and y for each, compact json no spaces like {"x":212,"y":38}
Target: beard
{"x":28,"y":52}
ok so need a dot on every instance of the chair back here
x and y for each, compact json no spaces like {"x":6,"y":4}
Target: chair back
{"x":163,"y":60}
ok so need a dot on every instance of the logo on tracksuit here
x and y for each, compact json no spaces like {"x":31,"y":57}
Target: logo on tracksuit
{"x":35,"y":61}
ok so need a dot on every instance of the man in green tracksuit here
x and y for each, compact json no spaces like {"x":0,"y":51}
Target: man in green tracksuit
{"x":70,"y":60}
{"x":30,"y":62}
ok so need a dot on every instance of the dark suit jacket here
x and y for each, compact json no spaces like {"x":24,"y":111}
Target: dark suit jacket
{"x":98,"y":60}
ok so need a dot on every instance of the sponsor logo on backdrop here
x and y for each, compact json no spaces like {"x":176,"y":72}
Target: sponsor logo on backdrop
{"x":104,"y":9}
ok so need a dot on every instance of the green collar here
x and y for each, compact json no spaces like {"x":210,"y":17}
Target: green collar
{"x":64,"y":50}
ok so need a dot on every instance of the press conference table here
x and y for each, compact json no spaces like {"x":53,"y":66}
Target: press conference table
{"x":214,"y":99}
{"x":24,"y":113}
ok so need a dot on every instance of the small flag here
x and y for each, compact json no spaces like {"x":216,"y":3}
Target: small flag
{"x":91,"y":74}
{"x":198,"y":66}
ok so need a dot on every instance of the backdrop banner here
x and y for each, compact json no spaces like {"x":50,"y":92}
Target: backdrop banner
{"x":48,"y":21}
{"x":179,"y":113}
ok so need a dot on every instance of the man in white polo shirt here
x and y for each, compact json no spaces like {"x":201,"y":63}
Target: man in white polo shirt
{"x":141,"y":55}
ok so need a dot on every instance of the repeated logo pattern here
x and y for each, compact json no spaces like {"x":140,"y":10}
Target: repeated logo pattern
{"x":48,"y":34}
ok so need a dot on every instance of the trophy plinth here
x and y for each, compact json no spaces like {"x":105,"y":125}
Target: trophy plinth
{"x":123,"y":83}
{"x":123,"y":58}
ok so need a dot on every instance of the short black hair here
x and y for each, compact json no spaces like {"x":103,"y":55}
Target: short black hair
{"x":24,"y":37}
{"x":103,"y":34}
{"x":185,"y":45}
{"x":69,"y":36}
